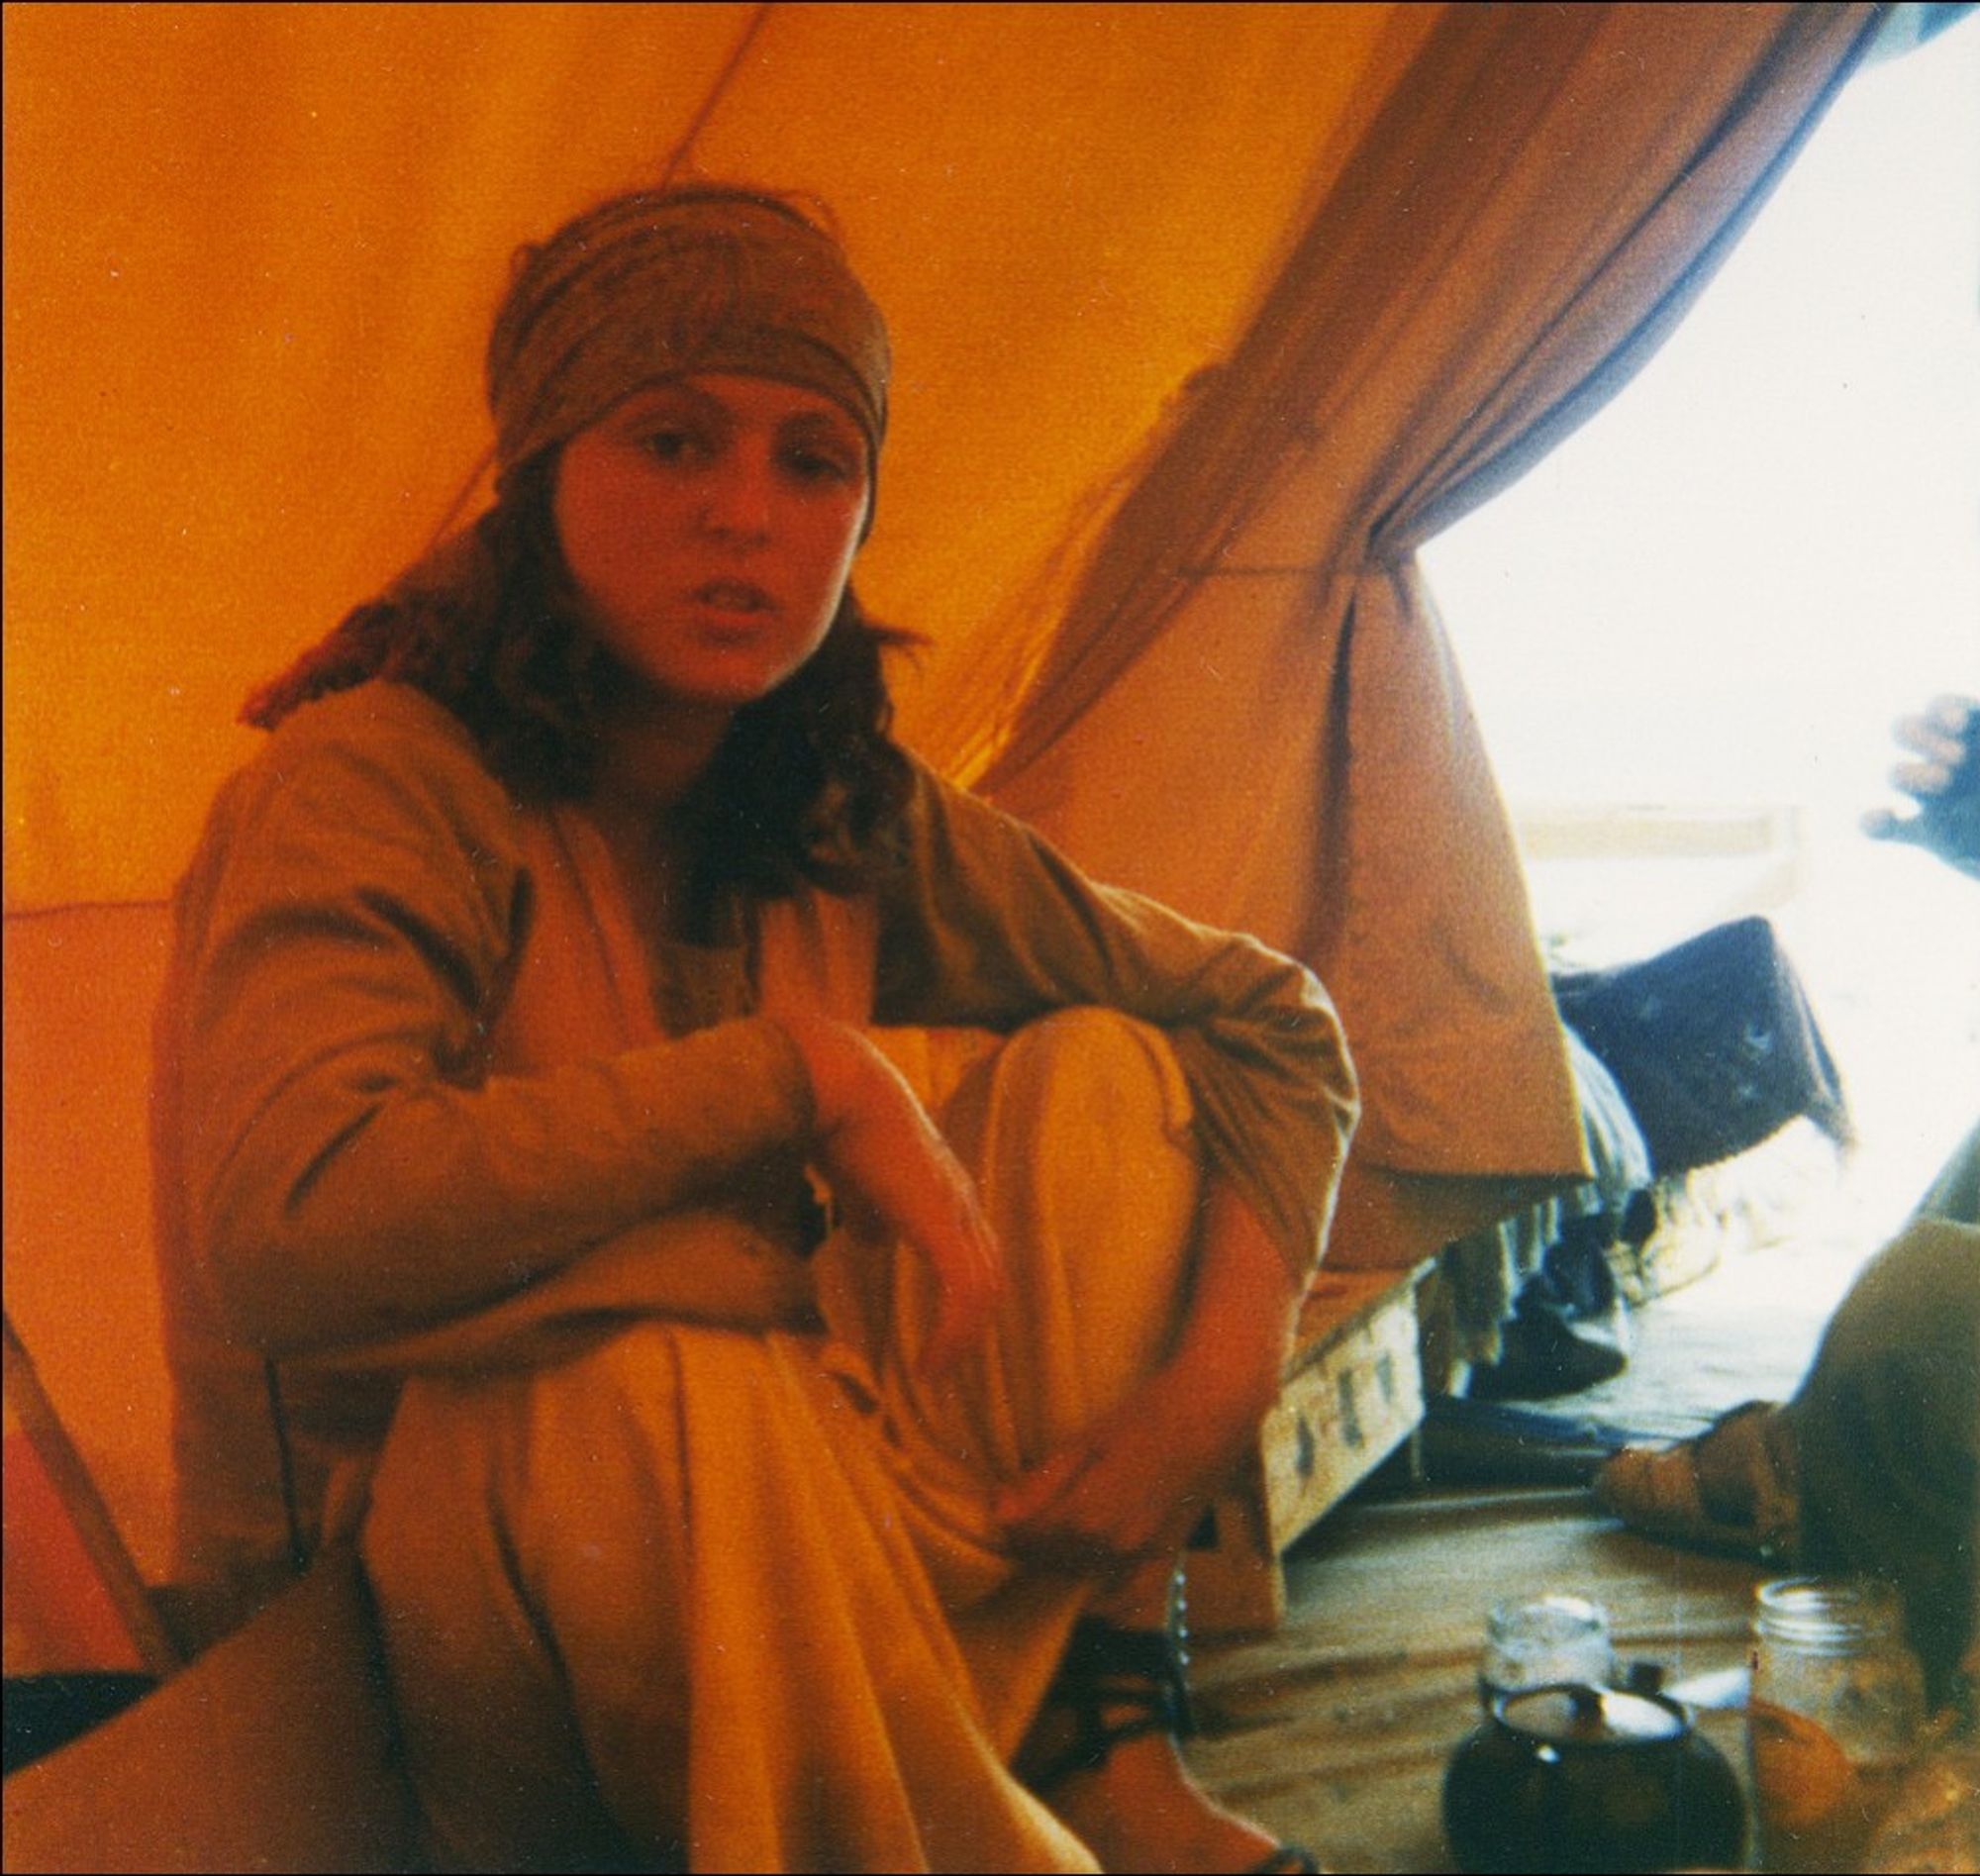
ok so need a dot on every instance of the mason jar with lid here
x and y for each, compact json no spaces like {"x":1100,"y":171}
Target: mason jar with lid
{"x":1836,"y":1706}
{"x":1544,"y":1640}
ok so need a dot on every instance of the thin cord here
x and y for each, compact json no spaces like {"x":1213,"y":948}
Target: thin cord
{"x":675,"y":158}
{"x":452,"y":514}
{"x":699,"y":122}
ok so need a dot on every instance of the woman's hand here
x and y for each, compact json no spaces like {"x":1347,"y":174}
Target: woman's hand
{"x":1134,"y":1483}
{"x":882,"y":1154}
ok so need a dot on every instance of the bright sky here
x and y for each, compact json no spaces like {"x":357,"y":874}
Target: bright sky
{"x":1729,"y":583}
{"x":1768,"y":546}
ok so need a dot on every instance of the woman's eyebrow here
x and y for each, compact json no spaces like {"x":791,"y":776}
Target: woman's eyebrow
{"x":824,"y":421}
{"x":663,"y":399}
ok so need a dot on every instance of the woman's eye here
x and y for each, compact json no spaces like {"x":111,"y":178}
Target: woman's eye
{"x":821,"y":465}
{"x":670,"y":444}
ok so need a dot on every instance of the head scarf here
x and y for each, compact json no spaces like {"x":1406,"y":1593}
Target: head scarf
{"x":659,"y":284}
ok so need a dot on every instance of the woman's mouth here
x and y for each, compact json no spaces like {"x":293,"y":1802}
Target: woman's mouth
{"x":732,"y":596}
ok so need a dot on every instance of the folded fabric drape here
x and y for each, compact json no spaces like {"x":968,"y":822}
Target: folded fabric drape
{"x":1713,"y":1043}
{"x":1543,"y":194}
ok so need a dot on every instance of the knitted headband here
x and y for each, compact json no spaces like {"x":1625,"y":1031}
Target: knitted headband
{"x":658,"y":284}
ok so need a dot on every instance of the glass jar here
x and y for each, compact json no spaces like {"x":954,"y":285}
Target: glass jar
{"x":1544,"y":1641}
{"x":1837,"y":1703}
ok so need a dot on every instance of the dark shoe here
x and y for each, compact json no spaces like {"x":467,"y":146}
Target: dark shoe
{"x":1542,"y":1356}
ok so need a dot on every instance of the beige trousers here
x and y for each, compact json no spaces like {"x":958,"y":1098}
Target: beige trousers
{"x":733,"y":1599}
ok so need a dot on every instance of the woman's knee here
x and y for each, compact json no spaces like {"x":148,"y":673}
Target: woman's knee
{"x":478,"y":1478}
{"x":1100,"y":1065}
{"x":527,"y":1547}
{"x":1092,"y":1173}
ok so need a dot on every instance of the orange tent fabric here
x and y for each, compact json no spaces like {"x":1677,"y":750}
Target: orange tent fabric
{"x":251,"y":251}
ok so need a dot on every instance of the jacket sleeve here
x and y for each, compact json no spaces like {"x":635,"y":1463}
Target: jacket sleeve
{"x":347,"y":1168}
{"x":985,"y":924}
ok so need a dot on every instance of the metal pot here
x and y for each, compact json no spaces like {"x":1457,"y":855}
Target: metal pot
{"x":1577,"y":1778}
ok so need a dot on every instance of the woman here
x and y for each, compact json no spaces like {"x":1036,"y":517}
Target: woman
{"x":531,"y":994}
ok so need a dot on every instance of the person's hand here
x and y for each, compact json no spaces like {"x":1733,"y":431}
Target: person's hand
{"x":1135,"y":1484}
{"x":1941,"y":774}
{"x":884,"y":1157}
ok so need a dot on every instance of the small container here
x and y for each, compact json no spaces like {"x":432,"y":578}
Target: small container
{"x":1582,"y":1779}
{"x":1545,"y":1641}
{"x":1836,"y":1709}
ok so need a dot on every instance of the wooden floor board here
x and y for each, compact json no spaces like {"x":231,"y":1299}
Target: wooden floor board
{"x":1336,"y":1729}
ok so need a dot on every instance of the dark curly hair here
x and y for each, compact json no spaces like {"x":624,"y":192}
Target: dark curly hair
{"x":807,"y":785}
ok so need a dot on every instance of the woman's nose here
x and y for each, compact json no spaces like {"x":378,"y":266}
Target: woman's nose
{"x":740,"y":497}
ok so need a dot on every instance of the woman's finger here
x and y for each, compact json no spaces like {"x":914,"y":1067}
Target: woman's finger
{"x":966,"y":1263}
{"x":887,"y":1161}
{"x":1082,"y":1547}
{"x":1081,"y":1511}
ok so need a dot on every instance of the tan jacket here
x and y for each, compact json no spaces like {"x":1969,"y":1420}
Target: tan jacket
{"x":392,"y":1096}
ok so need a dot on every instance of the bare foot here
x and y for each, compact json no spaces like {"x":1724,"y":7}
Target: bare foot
{"x":1141,"y":1810}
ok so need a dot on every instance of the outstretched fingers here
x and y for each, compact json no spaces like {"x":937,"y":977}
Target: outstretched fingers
{"x":962,"y":1255}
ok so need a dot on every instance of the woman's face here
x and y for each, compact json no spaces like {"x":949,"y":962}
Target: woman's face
{"x":710,"y":523}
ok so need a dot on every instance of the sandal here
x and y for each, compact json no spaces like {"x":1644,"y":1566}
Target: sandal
{"x":1119,"y":1684}
{"x":1729,"y":1488}
{"x":1106,"y":1671}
